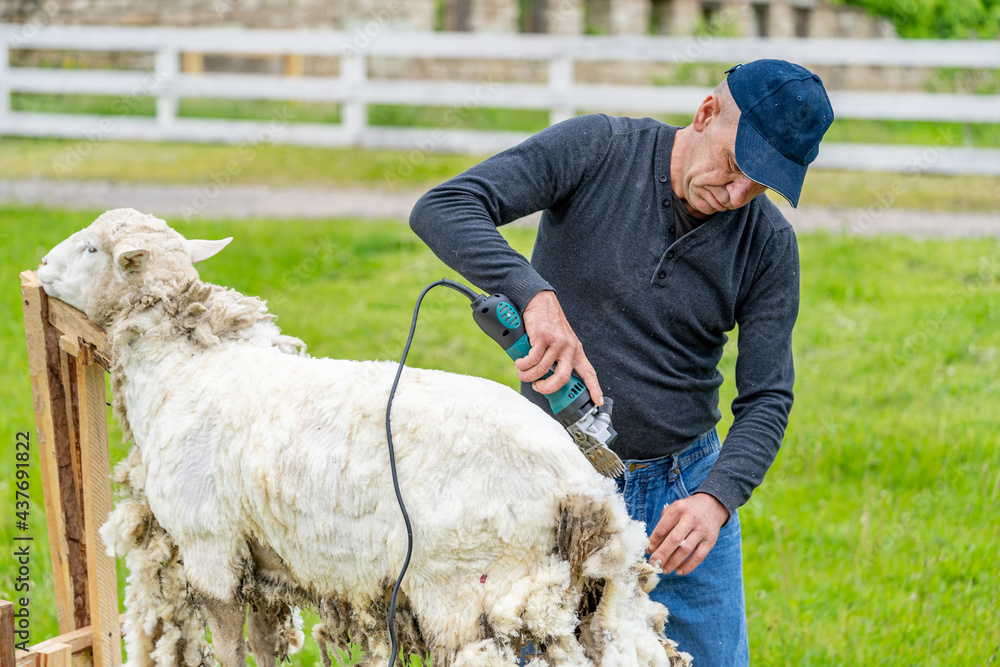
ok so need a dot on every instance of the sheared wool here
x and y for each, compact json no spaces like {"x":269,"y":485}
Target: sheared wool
{"x":260,"y":479}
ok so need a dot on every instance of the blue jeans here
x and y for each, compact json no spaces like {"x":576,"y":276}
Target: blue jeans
{"x":707,"y":608}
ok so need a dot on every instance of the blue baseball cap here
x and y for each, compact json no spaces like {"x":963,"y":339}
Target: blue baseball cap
{"x":784,"y":113}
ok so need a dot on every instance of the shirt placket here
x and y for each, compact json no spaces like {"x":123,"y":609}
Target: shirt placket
{"x":665,"y":265}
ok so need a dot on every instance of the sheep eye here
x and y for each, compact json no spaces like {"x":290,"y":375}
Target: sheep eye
{"x":91,"y":249}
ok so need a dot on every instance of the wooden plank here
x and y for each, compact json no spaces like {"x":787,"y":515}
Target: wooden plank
{"x":69,"y":377}
{"x":909,"y":159}
{"x":62,"y":512}
{"x":6,"y":634}
{"x":233,"y":86}
{"x":75,"y":325}
{"x":69,"y":82}
{"x":69,"y":357}
{"x":70,"y":347}
{"x":55,"y":655}
{"x":80,"y":642}
{"x":68,"y":374}
{"x":102,"y":579}
{"x":944,"y":107}
{"x":184,"y":129}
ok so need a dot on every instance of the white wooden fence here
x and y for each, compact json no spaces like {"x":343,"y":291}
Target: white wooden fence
{"x":561,"y":95}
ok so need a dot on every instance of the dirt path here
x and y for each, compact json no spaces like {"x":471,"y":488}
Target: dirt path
{"x":186,"y":202}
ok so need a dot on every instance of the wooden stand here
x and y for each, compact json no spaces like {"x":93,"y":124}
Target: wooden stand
{"x":67,"y":358}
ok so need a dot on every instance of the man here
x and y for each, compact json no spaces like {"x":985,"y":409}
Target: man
{"x":656,"y":242}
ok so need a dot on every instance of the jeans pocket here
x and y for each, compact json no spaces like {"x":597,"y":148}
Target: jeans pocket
{"x":694,"y":473}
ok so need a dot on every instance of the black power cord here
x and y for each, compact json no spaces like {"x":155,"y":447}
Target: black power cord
{"x":458,"y":287}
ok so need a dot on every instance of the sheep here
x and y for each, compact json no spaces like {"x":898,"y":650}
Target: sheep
{"x":259,"y":477}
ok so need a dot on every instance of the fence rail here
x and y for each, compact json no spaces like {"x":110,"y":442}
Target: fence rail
{"x":561,"y":95}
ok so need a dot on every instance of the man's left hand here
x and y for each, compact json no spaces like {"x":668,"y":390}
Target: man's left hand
{"x":687,"y":531}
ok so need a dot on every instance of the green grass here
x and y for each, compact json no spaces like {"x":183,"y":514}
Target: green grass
{"x":874,"y":539}
{"x":289,"y":166}
{"x":464,"y":118}
{"x":913,"y":132}
{"x":140,"y":162}
{"x":108,"y":105}
{"x":98,"y":159}
{"x":469,"y":117}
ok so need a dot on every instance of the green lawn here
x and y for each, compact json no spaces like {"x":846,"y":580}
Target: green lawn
{"x":874,"y":539}
{"x":289,"y":166}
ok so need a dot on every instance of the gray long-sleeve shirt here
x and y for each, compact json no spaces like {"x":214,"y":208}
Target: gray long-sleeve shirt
{"x":651,"y":310}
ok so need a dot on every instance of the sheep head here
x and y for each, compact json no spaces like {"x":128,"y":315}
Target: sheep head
{"x":120,"y":253}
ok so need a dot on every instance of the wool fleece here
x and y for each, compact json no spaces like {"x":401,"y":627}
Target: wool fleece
{"x":259,"y":480}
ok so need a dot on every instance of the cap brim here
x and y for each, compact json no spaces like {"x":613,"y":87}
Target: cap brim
{"x":763,"y":163}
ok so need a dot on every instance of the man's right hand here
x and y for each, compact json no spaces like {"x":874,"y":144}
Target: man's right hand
{"x":553,"y":343}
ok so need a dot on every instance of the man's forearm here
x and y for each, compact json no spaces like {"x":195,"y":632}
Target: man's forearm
{"x":457,"y":226}
{"x":459,"y":218}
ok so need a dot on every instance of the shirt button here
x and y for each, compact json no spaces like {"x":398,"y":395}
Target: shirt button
{"x":666,"y":202}
{"x":670,"y":255}
{"x":672,"y":229}
{"x":663,"y":179}
{"x":661,"y":275}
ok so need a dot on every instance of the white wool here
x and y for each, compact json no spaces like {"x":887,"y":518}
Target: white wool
{"x":262,"y":476}
{"x":294,"y":635}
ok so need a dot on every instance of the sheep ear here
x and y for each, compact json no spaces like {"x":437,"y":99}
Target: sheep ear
{"x":132,"y":259}
{"x":202,"y":250}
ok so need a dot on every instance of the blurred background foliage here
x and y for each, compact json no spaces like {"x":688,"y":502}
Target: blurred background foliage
{"x":937,"y":19}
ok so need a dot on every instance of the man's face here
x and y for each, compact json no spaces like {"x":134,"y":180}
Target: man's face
{"x":711,"y":181}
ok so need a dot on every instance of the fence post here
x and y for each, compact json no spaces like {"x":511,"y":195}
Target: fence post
{"x":560,"y":83}
{"x":354,"y":111}
{"x":7,"y":658}
{"x":167,"y":69}
{"x":4,"y":86}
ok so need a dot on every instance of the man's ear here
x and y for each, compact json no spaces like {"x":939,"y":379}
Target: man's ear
{"x":709,"y":110}
{"x":132,"y":259}
{"x":202,"y":250}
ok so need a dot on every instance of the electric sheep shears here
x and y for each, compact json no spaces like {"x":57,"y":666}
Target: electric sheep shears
{"x":572,"y":405}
